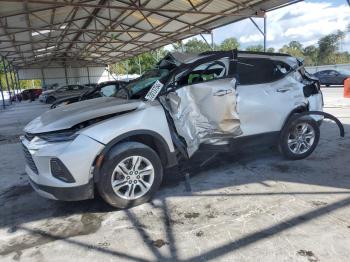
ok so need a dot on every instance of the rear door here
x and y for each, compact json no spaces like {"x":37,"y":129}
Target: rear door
{"x":266,"y":95}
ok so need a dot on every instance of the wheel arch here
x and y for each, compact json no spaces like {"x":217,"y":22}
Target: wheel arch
{"x":146,"y":137}
{"x":299,"y":109}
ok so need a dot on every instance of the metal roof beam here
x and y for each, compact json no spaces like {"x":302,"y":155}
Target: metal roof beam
{"x":124,"y":8}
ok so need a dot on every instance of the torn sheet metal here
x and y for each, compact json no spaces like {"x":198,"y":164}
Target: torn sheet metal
{"x":204,"y":112}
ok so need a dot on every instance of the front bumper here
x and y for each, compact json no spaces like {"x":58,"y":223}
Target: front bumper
{"x":65,"y":193}
{"x":77,"y":156}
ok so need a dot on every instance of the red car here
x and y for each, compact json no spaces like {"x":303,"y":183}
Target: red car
{"x":31,"y":94}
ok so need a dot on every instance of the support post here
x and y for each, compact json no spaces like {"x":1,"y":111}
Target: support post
{"x":2,"y":96}
{"x":212,"y":39}
{"x":88,"y":73}
{"x":205,"y":40}
{"x":43,"y":78}
{"x":265,"y":47}
{"x":14,"y":86}
{"x":140,"y":68}
{"x":7,"y":81}
{"x":19,"y":84}
{"x":262,"y":31}
{"x":65,"y":74}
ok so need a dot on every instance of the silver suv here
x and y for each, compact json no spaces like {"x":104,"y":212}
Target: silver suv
{"x":122,"y":145}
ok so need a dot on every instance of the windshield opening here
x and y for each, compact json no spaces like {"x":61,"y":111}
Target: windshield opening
{"x":139,"y":88}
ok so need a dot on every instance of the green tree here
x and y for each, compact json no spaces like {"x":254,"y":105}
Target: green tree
{"x":138,"y":64}
{"x":229,"y":44}
{"x":271,"y":50}
{"x":311,"y":55}
{"x":195,"y":45}
{"x":255,"y":48}
{"x":294,"y":48}
{"x":328,"y":46}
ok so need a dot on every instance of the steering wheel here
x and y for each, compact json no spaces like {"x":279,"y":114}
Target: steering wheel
{"x":123,"y":93}
{"x":211,"y":65}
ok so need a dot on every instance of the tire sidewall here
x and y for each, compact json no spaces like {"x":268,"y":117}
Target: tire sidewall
{"x":290,"y":126}
{"x":118,"y":153}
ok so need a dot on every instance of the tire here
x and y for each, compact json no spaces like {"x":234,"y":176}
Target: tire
{"x":50,"y":100}
{"x":122,"y":155}
{"x":299,"y":133}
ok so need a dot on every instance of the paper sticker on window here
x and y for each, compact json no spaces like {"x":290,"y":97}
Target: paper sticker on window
{"x":154,"y":91}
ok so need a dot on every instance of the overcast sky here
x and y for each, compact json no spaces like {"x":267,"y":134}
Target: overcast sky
{"x":305,"y":22}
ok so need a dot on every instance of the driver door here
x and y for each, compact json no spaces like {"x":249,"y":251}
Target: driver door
{"x":203,"y":106}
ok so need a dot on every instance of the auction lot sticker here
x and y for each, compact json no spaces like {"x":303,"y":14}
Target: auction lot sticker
{"x":154,"y":91}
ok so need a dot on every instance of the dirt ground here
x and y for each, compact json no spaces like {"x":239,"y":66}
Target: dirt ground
{"x":247,"y":206}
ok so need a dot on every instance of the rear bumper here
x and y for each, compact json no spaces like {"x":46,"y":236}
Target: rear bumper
{"x":65,"y":193}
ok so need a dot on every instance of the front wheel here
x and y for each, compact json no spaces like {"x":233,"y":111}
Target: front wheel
{"x":299,"y":138}
{"x":50,"y":100}
{"x":131,"y":174}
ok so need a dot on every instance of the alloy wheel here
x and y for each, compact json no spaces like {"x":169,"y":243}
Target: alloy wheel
{"x":132,"y":177}
{"x":301,"y":138}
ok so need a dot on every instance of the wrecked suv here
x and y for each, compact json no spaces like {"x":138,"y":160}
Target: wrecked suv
{"x":120,"y":146}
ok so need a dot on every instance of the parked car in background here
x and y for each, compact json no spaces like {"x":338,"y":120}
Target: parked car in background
{"x":135,"y":88}
{"x":216,"y":101}
{"x":28,"y":94}
{"x":104,"y":89}
{"x":51,"y":96}
{"x":332,"y":77}
{"x":50,"y":86}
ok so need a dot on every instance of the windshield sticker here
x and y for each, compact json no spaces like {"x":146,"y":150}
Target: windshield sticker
{"x":154,"y":91}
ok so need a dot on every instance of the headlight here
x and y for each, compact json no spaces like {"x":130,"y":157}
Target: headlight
{"x":59,"y":136}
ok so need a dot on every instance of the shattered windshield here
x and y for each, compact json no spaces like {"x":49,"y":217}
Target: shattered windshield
{"x":146,"y":81}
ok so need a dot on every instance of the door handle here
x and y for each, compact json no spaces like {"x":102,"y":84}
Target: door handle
{"x":283,"y":89}
{"x":223,"y":92}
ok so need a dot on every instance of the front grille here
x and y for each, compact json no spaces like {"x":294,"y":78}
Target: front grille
{"x":29,"y":136}
{"x":29,"y":159}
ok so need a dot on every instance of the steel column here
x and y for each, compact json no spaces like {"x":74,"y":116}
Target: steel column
{"x":14,"y":86}
{"x":7,"y":81}
{"x":88,"y":73}
{"x":262,"y":31}
{"x":43,"y":77}
{"x":2,"y":95}
{"x":65,"y":74}
{"x":265,"y":47}
{"x":17,"y":80}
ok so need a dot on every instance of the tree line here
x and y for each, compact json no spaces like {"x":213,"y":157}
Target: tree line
{"x":325,"y":52}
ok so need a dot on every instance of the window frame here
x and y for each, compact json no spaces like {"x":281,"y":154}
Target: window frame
{"x":274,"y":62}
{"x":191,"y":69}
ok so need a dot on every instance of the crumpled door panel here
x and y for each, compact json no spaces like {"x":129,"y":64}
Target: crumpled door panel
{"x":205,"y":112}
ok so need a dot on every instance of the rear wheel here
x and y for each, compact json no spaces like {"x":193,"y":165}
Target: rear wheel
{"x":130,"y":175}
{"x":299,"y":138}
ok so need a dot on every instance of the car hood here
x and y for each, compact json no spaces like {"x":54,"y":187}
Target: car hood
{"x":67,"y":98}
{"x":70,"y":115}
{"x":48,"y":92}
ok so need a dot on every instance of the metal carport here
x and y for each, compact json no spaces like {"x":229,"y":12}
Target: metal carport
{"x":83,"y":33}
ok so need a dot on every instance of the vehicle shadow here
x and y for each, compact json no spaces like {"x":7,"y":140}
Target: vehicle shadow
{"x":20,"y":205}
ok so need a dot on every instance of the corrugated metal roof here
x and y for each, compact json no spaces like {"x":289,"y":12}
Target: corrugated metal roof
{"x":42,"y":33}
